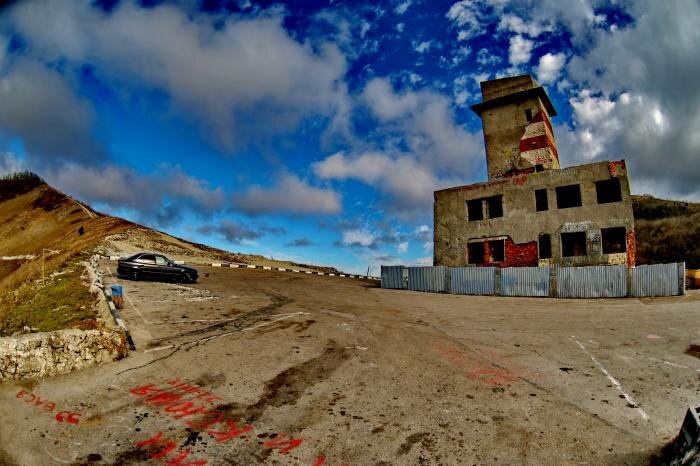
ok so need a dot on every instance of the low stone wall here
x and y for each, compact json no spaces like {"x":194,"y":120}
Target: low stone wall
{"x":51,"y":353}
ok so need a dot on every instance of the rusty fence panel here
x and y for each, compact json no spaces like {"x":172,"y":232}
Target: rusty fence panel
{"x":427,"y":278}
{"x":525,"y":281}
{"x":658,"y":280}
{"x":603,"y":281}
{"x":392,"y":277}
{"x":472,"y":280}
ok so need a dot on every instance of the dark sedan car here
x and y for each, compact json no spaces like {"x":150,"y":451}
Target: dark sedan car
{"x":155,"y":266}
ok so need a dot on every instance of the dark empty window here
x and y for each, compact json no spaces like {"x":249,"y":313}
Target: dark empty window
{"x":541,"y":202}
{"x":608,"y":191}
{"x":494,"y":207}
{"x":545,"y":246}
{"x":614,"y":240}
{"x":539,"y":167}
{"x":497,"y":249}
{"x":573,"y":244}
{"x":528,"y":114}
{"x":474,"y":210}
{"x":568,"y":196}
{"x":475,"y":253}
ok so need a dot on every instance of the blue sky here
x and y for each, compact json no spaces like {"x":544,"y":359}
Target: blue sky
{"x":317,"y":131}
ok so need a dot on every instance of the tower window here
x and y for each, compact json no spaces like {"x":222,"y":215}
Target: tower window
{"x":485,"y":208}
{"x":573,"y":244}
{"x":614,"y":240}
{"x":544,"y":243}
{"x":541,"y":201}
{"x":568,"y":196}
{"x":608,"y":191}
{"x":528,"y":114}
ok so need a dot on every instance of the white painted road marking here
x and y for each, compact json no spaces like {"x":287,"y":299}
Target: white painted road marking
{"x":612,"y":379}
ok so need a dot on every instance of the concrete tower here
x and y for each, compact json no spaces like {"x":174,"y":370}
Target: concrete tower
{"x":518,"y":135}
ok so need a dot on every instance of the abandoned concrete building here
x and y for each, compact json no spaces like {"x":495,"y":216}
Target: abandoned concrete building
{"x":531,"y":211}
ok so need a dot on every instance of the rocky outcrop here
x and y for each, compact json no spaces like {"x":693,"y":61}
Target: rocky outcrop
{"x":51,"y":353}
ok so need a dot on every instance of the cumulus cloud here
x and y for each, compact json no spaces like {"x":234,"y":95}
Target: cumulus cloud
{"x":519,"y":50}
{"x":644,"y":107}
{"x":40,"y":108}
{"x":550,"y":67}
{"x":516,"y":24}
{"x":468,"y":16}
{"x":402,"y":7}
{"x":230,"y":231}
{"x":158,"y":199}
{"x":290,"y":196}
{"x":238,"y":76}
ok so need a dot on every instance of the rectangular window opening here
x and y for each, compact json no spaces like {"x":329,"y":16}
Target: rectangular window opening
{"x":614,"y":240}
{"x":573,"y":244}
{"x":528,"y":114}
{"x":475,"y":253}
{"x":541,"y":201}
{"x":568,"y":196}
{"x":539,"y":168}
{"x":544,"y":243}
{"x":608,"y":191}
{"x":494,"y":206}
{"x":475,"y":210}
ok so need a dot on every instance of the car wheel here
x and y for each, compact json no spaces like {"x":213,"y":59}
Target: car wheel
{"x":186,"y":278}
{"x":135,"y":276}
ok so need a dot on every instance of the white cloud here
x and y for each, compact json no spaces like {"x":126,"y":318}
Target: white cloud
{"x":422,"y":47}
{"x":239,"y":76}
{"x":402,"y":7}
{"x":550,"y":67}
{"x":516,"y":24}
{"x":469,"y":17}
{"x":519,"y":50}
{"x":402,"y":247}
{"x":157,"y":199}
{"x":358,"y":238}
{"x":485,"y":58}
{"x":10,"y":163}
{"x":290,"y":196}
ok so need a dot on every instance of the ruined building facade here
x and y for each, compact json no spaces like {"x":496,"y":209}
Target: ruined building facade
{"x":531,"y":212}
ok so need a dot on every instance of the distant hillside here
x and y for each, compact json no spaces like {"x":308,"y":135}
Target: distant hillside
{"x":667,"y":231}
{"x":37,"y":219}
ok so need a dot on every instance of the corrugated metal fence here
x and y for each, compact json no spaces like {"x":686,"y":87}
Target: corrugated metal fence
{"x":472,"y":280}
{"x":658,"y":280}
{"x":601,"y":281}
{"x":559,"y":282}
{"x":427,"y":278}
{"x":525,"y":281}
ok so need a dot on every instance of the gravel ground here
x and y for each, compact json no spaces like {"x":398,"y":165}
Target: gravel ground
{"x":263,"y":367}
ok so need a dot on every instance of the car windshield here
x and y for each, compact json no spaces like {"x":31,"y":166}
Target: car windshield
{"x":160,"y":260}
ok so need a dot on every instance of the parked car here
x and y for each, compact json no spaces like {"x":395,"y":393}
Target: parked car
{"x":145,"y":265}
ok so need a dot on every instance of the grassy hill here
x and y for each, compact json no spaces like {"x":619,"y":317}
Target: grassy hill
{"x":667,"y":231}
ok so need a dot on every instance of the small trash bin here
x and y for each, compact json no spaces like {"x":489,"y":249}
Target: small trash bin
{"x":117,"y":296}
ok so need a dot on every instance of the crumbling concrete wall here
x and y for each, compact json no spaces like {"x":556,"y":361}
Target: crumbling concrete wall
{"x":50,"y":353}
{"x":521,"y":223}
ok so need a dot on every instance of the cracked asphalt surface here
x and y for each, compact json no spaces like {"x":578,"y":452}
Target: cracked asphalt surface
{"x":266,"y":367}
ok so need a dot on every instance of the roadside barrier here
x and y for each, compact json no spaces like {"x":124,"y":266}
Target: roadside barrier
{"x":263,"y":267}
{"x":108,"y":296}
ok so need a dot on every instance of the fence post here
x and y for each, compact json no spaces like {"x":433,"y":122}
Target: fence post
{"x":630,"y":280}
{"x":553,"y":281}
{"x":681,"y":278}
{"x":448,"y":280}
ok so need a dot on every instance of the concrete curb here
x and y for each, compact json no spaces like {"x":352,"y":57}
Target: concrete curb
{"x":108,"y":296}
{"x":265,"y":267}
